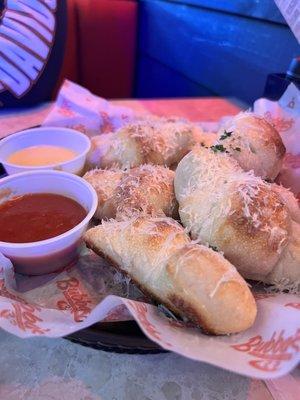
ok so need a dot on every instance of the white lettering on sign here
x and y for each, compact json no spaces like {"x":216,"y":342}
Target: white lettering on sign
{"x":13,"y":79}
{"x":37,"y":8}
{"x":28,"y":63}
{"x":31,"y":23}
{"x":27,"y":31}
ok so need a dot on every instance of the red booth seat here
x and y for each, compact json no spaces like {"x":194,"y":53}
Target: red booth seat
{"x":101,"y":44}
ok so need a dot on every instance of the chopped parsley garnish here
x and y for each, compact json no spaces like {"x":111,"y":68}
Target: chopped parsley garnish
{"x":202,"y":144}
{"x":214,"y":248}
{"x":226,"y":135}
{"x":218,"y":147}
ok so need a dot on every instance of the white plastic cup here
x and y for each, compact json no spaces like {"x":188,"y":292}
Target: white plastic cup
{"x":37,"y":258}
{"x":49,"y":136}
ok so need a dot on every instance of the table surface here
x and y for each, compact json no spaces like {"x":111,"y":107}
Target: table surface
{"x":41,"y":368}
{"x":195,"y":109}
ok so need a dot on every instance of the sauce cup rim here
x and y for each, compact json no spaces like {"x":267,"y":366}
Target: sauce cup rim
{"x":41,"y":167}
{"x":87,"y":218}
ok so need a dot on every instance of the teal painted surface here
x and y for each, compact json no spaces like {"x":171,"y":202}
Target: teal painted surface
{"x":228,"y":54}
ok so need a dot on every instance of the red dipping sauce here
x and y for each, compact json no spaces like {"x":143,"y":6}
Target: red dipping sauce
{"x":38,"y":216}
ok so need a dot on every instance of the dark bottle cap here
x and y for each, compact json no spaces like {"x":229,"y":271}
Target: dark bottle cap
{"x":293,"y":72}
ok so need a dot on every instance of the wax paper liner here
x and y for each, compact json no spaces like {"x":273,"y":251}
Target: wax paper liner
{"x":285,"y":116}
{"x":77,"y":108}
{"x":90,"y":291}
{"x":75,"y":299}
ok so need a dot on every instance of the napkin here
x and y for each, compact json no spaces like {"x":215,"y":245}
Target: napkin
{"x":77,"y":108}
{"x":285,"y":116}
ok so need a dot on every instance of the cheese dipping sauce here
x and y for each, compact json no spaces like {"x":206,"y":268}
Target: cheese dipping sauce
{"x":40,"y":155}
{"x":38,"y":216}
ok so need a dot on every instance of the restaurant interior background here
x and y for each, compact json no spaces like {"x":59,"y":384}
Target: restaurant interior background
{"x":176,"y":48}
{"x":215,"y":58}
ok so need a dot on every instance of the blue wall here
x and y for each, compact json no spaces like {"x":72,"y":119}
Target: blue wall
{"x":210,"y":47}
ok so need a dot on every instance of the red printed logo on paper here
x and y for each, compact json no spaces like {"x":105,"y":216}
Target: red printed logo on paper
{"x":75,"y":299}
{"x":65,"y":109}
{"x":141,"y":310}
{"x":118,"y":313}
{"x":106,"y":126}
{"x":6,"y":293}
{"x":80,"y":128}
{"x":293,"y":305}
{"x":269,"y":354}
{"x":23,"y":316}
{"x":281,"y":124}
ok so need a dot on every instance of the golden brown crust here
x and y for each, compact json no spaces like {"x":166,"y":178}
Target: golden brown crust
{"x":147,"y":189}
{"x":158,"y":141}
{"x":223,"y":285}
{"x":191,"y":280}
{"x":289,"y":200}
{"x":263,"y":205}
{"x":189,"y":311}
{"x":162,"y":143}
{"x":145,"y":290}
{"x":272,"y":137}
{"x":151,"y":232}
{"x":163,"y":229}
{"x":105,"y":182}
{"x":254,"y":143}
{"x":264,"y":230}
{"x":232,"y":209}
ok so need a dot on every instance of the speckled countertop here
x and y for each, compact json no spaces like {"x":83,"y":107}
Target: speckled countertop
{"x":55,"y":369}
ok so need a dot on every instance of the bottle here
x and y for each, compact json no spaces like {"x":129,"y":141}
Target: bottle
{"x":293,"y":72}
{"x":277,"y":83}
{"x":2,"y":171}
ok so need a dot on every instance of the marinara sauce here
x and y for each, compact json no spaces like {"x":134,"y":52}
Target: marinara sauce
{"x":38,"y":216}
